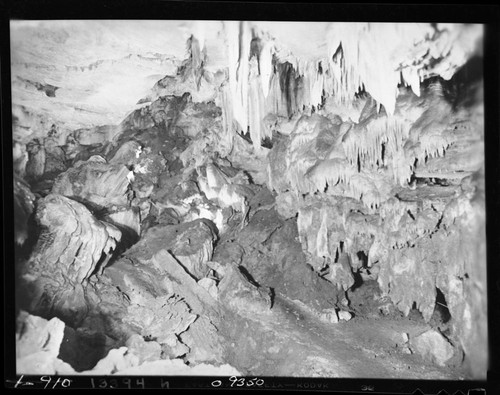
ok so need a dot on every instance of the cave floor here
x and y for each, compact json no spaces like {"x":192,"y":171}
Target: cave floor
{"x":294,"y":342}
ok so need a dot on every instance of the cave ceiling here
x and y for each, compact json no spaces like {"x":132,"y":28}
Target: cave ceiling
{"x":94,"y":72}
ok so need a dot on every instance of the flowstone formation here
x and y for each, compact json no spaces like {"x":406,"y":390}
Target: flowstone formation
{"x":256,"y":201}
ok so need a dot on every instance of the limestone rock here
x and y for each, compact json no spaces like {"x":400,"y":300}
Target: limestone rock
{"x":269,"y":249}
{"x":126,"y":219}
{"x":190,"y":243}
{"x":432,"y":345}
{"x":95,"y":182}
{"x":344,"y":315}
{"x":238,"y":294}
{"x":127,"y":154}
{"x":330,"y":316}
{"x":276,"y":169}
{"x":166,"y":303}
{"x":37,"y":344}
{"x":341,"y":272}
{"x":68,"y":252}
{"x":210,"y":285}
{"x":160,"y":319}
{"x":287,"y":204}
{"x":205,"y":344}
{"x":96,"y":135}
{"x":55,"y":160}
{"x":145,"y":350}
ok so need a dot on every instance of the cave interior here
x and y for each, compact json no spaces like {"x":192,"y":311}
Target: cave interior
{"x":249,"y":198}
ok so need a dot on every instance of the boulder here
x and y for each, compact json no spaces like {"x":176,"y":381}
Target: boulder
{"x":72,"y":246}
{"x":433,"y":346}
{"x":37,"y":344}
{"x":237,"y":293}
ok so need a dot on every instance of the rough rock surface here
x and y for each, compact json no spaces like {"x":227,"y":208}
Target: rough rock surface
{"x":37,"y":344}
{"x":190,"y":243}
{"x":269,"y":250}
{"x":94,"y":182}
{"x":165,"y":301}
{"x":238,"y":294}
{"x":73,"y":245}
{"x":433,"y":345}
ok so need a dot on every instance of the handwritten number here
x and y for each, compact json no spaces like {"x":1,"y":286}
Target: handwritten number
{"x":20,"y":381}
{"x":66,"y":383}
{"x":46,"y":379}
{"x":216,"y":383}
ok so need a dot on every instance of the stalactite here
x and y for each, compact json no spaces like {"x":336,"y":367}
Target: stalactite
{"x":371,"y":54}
{"x":256,"y":108}
{"x":243,"y":73}
{"x":411,"y":77}
{"x":266,"y":66}
{"x":232,"y":37}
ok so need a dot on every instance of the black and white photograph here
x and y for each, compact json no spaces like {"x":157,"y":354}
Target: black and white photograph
{"x":249,"y":198}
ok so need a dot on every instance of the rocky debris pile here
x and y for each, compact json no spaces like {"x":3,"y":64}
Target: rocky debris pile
{"x":166,"y":303}
{"x":72,"y":246}
{"x":38,"y":344}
